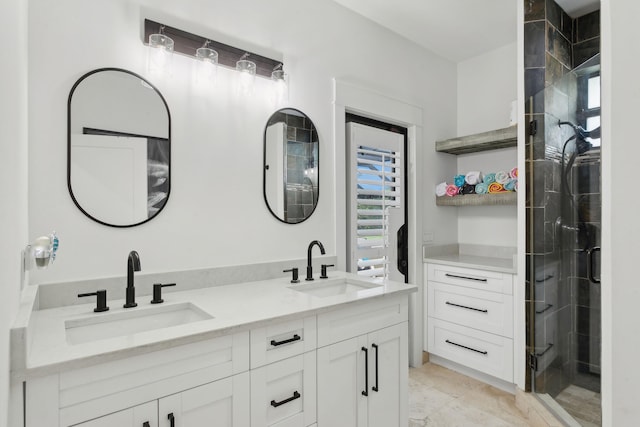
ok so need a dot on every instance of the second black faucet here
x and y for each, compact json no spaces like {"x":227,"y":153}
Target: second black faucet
{"x":133,"y":264}
{"x":309,"y":266}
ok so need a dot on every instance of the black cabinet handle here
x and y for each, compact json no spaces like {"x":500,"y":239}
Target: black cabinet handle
{"x":146,"y":424}
{"x":465,"y":277}
{"x":591,"y":263}
{"x":375,"y":387}
{"x":172,"y":420}
{"x":465,"y":347}
{"x":275,"y":343}
{"x":295,"y":396}
{"x":467,"y":307}
{"x":366,"y":371}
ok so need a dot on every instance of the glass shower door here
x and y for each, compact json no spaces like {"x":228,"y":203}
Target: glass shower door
{"x":563,"y":245}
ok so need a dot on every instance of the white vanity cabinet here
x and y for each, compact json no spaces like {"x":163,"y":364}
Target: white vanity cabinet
{"x":363,"y":365}
{"x":470,"y":318}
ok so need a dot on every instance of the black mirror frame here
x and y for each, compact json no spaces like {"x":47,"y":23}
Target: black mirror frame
{"x":80,"y":80}
{"x":264,"y":168}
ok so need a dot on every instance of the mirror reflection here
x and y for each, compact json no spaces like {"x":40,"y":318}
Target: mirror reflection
{"x":291,"y":165}
{"x":119,"y":148}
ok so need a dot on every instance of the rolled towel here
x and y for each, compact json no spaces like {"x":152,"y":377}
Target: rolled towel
{"x":482,"y":188}
{"x":514,"y":173}
{"x":496,"y":187}
{"x":458,"y":180}
{"x":452,"y":190}
{"x":489,"y":178}
{"x":511,"y":185}
{"x":468,"y":189}
{"x":473,"y":177}
{"x":441,"y":189}
{"x":502,"y":177}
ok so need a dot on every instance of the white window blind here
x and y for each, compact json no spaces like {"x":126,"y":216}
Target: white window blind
{"x":378,"y":189}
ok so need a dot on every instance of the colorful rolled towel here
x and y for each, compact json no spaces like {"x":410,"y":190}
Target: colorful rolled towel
{"x":452,"y":190}
{"x":496,"y":187}
{"x":458,"y":180}
{"x":468,"y":189}
{"x":482,"y":188}
{"x":441,"y":189}
{"x":489,"y":178}
{"x":473,"y":177}
{"x":514,"y":173}
{"x":502,"y":177}
{"x":511,"y":185}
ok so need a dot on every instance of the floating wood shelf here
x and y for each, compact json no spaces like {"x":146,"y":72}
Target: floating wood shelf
{"x":492,"y":140}
{"x":495,"y":199}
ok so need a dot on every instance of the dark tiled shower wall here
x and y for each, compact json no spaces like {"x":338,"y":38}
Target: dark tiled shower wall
{"x":550,"y":96}
{"x":302,"y":148}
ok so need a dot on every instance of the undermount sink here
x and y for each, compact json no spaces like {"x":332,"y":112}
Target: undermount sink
{"x":321,"y":288}
{"x":111,"y":325}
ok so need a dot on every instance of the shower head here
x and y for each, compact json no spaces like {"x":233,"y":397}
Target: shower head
{"x":582,"y":145}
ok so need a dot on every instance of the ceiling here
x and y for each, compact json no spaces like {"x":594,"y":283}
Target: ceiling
{"x":454,"y":29}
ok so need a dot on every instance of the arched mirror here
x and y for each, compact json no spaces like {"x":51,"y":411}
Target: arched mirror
{"x":291,"y":165}
{"x":118,"y":147}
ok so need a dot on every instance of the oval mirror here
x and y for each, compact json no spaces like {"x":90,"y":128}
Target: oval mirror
{"x":291,"y":165}
{"x":118,"y":147}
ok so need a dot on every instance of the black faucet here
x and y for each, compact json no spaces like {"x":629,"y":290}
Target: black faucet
{"x":309,"y":266}
{"x":133,"y":264}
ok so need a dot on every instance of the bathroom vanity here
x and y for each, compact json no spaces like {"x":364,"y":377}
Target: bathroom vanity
{"x":327,"y":353}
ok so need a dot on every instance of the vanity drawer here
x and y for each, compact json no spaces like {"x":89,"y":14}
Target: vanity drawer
{"x":282,"y":340}
{"x":283,"y":394}
{"x":471,"y":278}
{"x":358,"y":319}
{"x":488,"y":353}
{"x":487,"y":311}
{"x":108,"y":387}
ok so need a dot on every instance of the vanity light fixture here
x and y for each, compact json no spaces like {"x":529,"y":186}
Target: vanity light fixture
{"x":247,"y":76}
{"x":160,"y":52}
{"x":281,"y":82}
{"x":202,"y":48}
{"x":208,"y":64}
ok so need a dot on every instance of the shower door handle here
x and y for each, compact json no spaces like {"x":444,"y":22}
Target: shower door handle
{"x":591,"y":262}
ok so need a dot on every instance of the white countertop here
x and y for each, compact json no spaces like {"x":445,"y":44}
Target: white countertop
{"x":502,"y":265}
{"x":39,"y":344}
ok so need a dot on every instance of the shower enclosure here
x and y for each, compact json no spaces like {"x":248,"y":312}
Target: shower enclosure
{"x":563,"y":244}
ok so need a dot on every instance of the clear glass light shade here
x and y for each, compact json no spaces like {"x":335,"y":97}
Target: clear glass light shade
{"x":160,"y":53}
{"x":247,"y":76}
{"x":281,"y":86}
{"x":207,"y":65}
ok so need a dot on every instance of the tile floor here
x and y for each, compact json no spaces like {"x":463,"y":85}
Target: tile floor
{"x":444,"y":398}
{"x":582,"y":404}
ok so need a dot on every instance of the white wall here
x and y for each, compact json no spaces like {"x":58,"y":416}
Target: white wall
{"x":620,"y":206}
{"x":13,"y":174}
{"x":487,"y":84}
{"x":216,"y":213}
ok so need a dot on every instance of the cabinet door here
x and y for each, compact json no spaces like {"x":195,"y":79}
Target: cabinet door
{"x":223,"y":403}
{"x":388,"y":377}
{"x":341,"y":383}
{"x":145,"y":415}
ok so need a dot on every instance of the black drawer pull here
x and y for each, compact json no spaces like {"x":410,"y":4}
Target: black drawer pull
{"x":172,"y":420}
{"x":366,"y":371}
{"x":465,"y":277}
{"x":468,"y":308}
{"x":146,"y":424}
{"x":465,"y":347}
{"x":275,"y":343}
{"x":295,"y":396}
